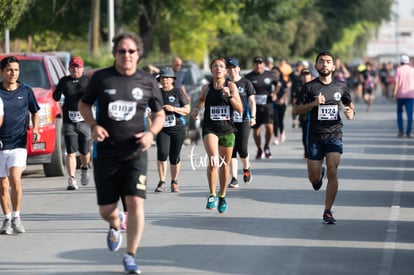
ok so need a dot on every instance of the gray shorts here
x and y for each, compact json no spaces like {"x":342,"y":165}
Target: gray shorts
{"x":77,"y":137}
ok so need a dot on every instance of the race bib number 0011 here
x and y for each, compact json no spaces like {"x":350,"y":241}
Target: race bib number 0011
{"x":220,"y":112}
{"x":328,"y":112}
{"x":121,"y":110}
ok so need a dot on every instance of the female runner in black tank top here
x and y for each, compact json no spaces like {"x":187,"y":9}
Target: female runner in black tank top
{"x":219,"y":99}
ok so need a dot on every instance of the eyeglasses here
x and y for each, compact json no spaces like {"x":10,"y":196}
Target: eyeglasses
{"x":218,"y":66}
{"x":123,"y":51}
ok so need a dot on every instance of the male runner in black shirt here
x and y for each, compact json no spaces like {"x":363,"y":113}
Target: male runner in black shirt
{"x":122,"y":94}
{"x":76,"y":132}
{"x":264,"y":83}
{"x":322,"y":99}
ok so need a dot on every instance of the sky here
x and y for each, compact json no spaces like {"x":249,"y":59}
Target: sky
{"x":405,"y":8}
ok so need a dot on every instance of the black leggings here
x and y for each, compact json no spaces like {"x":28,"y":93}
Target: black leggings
{"x":242,"y":139}
{"x":278,"y":117}
{"x":169,"y":144}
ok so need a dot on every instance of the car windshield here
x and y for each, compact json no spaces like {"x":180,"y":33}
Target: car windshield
{"x":32,"y":72}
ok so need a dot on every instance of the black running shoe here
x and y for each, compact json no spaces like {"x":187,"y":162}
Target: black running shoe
{"x":233,"y":183}
{"x":160,"y":187}
{"x":260,"y":154}
{"x":247,"y":176}
{"x":319,"y":184}
{"x":328,"y":217}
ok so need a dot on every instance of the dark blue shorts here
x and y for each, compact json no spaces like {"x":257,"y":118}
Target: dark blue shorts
{"x":317,"y":149}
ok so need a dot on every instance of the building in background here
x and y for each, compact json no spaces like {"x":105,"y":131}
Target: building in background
{"x":396,"y":36}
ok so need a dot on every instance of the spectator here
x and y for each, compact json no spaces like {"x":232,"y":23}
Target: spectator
{"x":403,"y":94}
{"x":177,"y":65}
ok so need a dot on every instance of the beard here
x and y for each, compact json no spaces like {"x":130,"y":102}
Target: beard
{"x":324,"y":72}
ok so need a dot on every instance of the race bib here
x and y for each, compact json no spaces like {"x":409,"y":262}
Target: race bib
{"x":75,"y":116}
{"x":220,"y":112}
{"x":170,"y":120}
{"x":237,"y":117}
{"x":260,"y":99}
{"x":122,"y":110}
{"x":328,"y":112}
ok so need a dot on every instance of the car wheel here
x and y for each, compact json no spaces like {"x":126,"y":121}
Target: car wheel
{"x":56,"y":167}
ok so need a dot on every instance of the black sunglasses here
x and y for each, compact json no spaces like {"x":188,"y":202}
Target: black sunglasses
{"x":123,"y":51}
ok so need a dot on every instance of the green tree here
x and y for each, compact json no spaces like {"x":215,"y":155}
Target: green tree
{"x":10,"y":13}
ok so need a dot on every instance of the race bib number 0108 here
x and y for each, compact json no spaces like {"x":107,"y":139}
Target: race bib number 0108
{"x":121,"y":110}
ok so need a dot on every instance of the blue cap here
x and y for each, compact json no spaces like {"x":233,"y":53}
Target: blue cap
{"x":232,"y":62}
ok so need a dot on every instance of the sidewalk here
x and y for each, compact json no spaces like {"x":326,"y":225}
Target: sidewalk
{"x":273,"y":226}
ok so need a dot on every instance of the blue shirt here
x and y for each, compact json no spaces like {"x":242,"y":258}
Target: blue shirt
{"x":17,"y":105}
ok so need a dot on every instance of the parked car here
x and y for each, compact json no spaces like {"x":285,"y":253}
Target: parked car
{"x":42,"y":72}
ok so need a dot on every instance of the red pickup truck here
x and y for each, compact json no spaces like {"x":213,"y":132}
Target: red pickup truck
{"x":42,"y":72}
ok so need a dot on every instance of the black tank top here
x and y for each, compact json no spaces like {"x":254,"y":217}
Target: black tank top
{"x":218,"y":113}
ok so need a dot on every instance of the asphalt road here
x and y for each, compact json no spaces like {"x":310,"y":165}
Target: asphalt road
{"x":273,"y":226}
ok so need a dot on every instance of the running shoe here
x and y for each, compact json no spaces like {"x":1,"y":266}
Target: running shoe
{"x":247,"y":176}
{"x":114,"y":239}
{"x":174,"y":187}
{"x":72,"y":184}
{"x":6,"y":227}
{"x":328,"y":217}
{"x":160,"y":187}
{"x":124,"y":220}
{"x":222,"y":205}
{"x":282,"y":137}
{"x":267,"y":152}
{"x":276,"y":141}
{"x":211,"y":202}
{"x":130,"y":265}
{"x":318,"y":186}
{"x":17,"y":225}
{"x":259,"y":154}
{"x":233,"y":183}
{"x":84,"y":176}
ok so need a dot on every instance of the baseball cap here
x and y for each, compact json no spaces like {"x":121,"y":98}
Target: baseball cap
{"x":305,"y":71}
{"x":76,"y":60}
{"x":232,"y":62}
{"x":404,"y":59}
{"x":258,"y":59}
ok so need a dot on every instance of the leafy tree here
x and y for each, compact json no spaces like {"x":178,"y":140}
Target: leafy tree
{"x":190,"y":28}
{"x":10,"y":13}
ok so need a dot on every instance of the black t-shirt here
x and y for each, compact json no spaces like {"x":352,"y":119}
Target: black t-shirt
{"x":121,"y":107}
{"x":263,"y":84}
{"x":177,"y":99}
{"x":72,"y":89}
{"x":246,"y":89}
{"x":324,"y":120}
